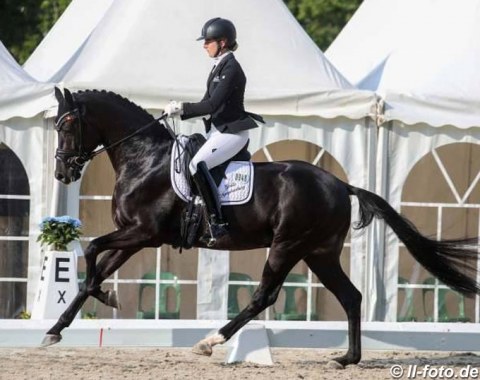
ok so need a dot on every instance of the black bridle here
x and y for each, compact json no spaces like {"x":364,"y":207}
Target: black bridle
{"x":73,"y":159}
{"x":76,"y":159}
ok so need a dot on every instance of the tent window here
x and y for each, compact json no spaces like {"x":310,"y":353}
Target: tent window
{"x":14,"y":221}
{"x":450,"y":209}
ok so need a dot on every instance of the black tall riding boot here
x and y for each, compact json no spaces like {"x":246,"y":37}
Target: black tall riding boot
{"x":208,"y":190}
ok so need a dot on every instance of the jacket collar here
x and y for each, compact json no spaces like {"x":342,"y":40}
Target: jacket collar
{"x":222,"y":63}
{"x":219,"y":59}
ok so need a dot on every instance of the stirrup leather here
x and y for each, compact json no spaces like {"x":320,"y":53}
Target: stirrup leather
{"x":216,"y":230}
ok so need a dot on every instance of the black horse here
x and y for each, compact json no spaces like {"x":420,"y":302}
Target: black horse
{"x":298,"y":210}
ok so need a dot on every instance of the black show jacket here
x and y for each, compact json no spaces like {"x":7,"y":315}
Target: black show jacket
{"x":223,"y":99}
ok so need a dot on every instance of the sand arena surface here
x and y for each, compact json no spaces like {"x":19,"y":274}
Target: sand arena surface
{"x":180,"y":363}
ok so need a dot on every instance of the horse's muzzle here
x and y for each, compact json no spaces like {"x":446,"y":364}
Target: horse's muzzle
{"x":67,"y":175}
{"x":60,"y":177}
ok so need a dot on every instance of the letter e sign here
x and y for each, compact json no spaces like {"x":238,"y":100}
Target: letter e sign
{"x":59,"y":268}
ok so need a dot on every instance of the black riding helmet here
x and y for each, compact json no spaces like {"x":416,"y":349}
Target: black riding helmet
{"x":218,"y":28}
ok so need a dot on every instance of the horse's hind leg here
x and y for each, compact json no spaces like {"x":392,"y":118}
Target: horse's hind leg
{"x":276,"y":268}
{"x":331,"y":274}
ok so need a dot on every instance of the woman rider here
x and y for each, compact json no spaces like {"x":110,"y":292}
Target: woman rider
{"x":228,"y":123}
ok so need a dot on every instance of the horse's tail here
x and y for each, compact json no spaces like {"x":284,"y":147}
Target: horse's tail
{"x":452,"y":261}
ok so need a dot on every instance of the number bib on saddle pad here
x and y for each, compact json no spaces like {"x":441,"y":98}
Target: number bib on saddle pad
{"x":235,"y":189}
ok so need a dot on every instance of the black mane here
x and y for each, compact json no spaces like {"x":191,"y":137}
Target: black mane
{"x":114,"y":97}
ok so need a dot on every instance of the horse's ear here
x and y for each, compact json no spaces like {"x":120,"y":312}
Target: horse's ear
{"x":69,"y":98}
{"x":59,"y":96}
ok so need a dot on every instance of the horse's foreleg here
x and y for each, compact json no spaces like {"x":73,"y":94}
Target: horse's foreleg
{"x":105,"y":268}
{"x":108,"y":298}
{"x":129,"y":242}
{"x":53,"y":335}
{"x":274,"y":272}
{"x":126,"y":240}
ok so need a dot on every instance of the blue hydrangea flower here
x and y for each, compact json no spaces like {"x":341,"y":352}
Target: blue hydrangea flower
{"x":68,"y":220}
{"x":60,"y":219}
{"x":59,"y":231}
{"x":45,"y":221}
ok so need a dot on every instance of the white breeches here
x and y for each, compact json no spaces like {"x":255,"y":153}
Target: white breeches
{"x":218,"y":148}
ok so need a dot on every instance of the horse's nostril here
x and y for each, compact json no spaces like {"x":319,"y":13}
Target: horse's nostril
{"x":59,"y":176}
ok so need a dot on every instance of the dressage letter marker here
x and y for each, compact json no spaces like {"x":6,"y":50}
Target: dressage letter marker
{"x":62,"y":296}
{"x":58,"y":285}
{"x":59,"y":268}
{"x":250,"y":345}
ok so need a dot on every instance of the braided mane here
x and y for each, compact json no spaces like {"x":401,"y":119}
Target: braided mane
{"x":115,"y":98}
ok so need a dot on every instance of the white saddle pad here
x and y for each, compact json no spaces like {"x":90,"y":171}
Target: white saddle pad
{"x":235,"y":189}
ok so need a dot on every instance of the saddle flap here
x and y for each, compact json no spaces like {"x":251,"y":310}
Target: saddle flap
{"x":234,"y":178}
{"x":218,"y":172}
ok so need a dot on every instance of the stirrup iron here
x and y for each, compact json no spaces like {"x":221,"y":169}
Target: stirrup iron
{"x":216,"y":230}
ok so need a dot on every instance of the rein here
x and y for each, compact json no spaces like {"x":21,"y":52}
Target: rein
{"x":77,"y":159}
{"x":105,"y":148}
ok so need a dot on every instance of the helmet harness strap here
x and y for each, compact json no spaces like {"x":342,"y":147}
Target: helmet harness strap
{"x":219,"y":49}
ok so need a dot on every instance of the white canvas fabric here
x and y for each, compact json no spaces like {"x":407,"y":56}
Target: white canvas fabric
{"x":421,"y":56}
{"x":23,"y":101}
{"x":66,"y":38}
{"x":147,"y":51}
{"x":26,"y":138}
{"x":20,"y":94}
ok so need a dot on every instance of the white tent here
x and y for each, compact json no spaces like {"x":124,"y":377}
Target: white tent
{"x":421,"y":57}
{"x":23,"y":137}
{"x":20,"y":94}
{"x":65,"y":39}
{"x":147,"y":51}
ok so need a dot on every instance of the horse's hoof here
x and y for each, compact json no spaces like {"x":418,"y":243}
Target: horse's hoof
{"x":112,"y":299}
{"x":51,"y":339}
{"x":342,"y":361}
{"x":202,"y":348}
{"x":335,"y":365}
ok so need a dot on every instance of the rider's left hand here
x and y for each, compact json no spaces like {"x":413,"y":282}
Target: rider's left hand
{"x":173,"y":108}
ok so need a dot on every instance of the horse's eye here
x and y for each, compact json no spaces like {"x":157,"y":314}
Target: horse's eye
{"x":67,"y":126}
{"x":66,"y":123}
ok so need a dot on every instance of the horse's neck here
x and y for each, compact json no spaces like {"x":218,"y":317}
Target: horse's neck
{"x":149,"y":147}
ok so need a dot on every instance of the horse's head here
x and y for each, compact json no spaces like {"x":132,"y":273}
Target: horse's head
{"x":72,"y":150}
{"x":81,"y":132}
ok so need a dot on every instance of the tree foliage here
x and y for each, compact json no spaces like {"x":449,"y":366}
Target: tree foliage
{"x":323,"y":19}
{"x":23,"y":24}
